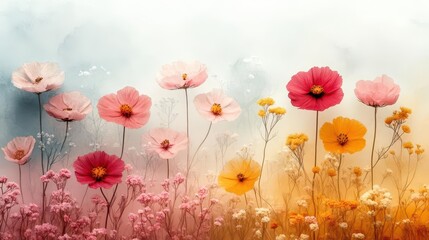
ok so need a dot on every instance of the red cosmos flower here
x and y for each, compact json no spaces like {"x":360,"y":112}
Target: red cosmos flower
{"x":99,"y":169}
{"x":126,"y":108}
{"x":317,"y":89}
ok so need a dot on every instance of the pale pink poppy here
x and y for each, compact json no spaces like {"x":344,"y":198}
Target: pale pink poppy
{"x":38,"y":77}
{"x":72,"y":106}
{"x":215,"y":106}
{"x":127,"y":107}
{"x":19,"y":149}
{"x":180,"y":74}
{"x":380,"y":92}
{"x":164,"y":141}
{"x":99,"y":169}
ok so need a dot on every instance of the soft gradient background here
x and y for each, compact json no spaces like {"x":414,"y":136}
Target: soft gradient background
{"x":251,"y":49}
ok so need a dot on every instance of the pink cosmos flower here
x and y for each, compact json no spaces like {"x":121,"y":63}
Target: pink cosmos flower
{"x":317,"y":89}
{"x":164,"y":141}
{"x":72,"y":106}
{"x":99,"y":169}
{"x":19,"y":149}
{"x":216,"y":106}
{"x":182,"y":75}
{"x":126,"y":108}
{"x":38,"y":77}
{"x":380,"y":92}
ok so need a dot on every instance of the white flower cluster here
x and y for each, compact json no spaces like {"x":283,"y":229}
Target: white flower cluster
{"x":281,"y":237}
{"x":241,"y":214}
{"x":343,"y":225}
{"x":312,"y":223}
{"x":302,"y":203}
{"x":304,"y":236}
{"x":422,"y":195}
{"x":358,"y":236}
{"x":264,"y":214}
{"x":378,"y":197}
{"x":258,"y":234}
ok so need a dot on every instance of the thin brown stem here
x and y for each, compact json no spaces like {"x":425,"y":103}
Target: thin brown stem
{"x":373,"y":148}
{"x":187,"y":136}
{"x":108,"y":208}
{"x":168,"y":168}
{"x":339,"y":177}
{"x":315,"y":164}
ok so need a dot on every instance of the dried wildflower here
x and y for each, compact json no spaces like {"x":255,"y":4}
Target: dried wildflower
{"x":357,"y":171}
{"x":315,"y":169}
{"x":332,"y":172}
{"x":265,"y":102}
{"x":406,"y":128}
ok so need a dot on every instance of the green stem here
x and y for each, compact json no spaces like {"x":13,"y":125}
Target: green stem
{"x":123,"y":143}
{"x":44,"y":185}
{"x":40,"y":131}
{"x":373,"y":148}
{"x":65,"y":136}
{"x":20,"y":184}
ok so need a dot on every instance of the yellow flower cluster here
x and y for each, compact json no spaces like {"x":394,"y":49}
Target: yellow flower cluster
{"x":266,"y":102}
{"x":408,"y":145}
{"x":419,"y":150}
{"x":406,"y":128}
{"x":277,"y":110}
{"x":295,"y":218}
{"x":316,"y":169}
{"x":332,"y":172}
{"x":398,"y":116}
{"x":357,"y":171}
{"x":344,"y":205}
{"x":410,"y":148}
{"x":296,"y":140}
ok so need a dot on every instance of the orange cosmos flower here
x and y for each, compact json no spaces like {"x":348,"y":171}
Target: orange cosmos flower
{"x":343,"y":135}
{"x":239,"y":175}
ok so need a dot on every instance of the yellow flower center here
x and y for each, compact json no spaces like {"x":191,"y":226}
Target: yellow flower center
{"x":126,"y":110}
{"x":98,"y":173}
{"x":184,"y":76}
{"x":316,"y":91}
{"x":38,"y":79}
{"x":241,"y":177}
{"x":19,"y":154}
{"x":67,"y":109}
{"x":342,"y":139}
{"x":165,"y":144}
{"x":216,"y":109}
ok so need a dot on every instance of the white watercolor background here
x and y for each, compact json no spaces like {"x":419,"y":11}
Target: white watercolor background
{"x":258,"y":44}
